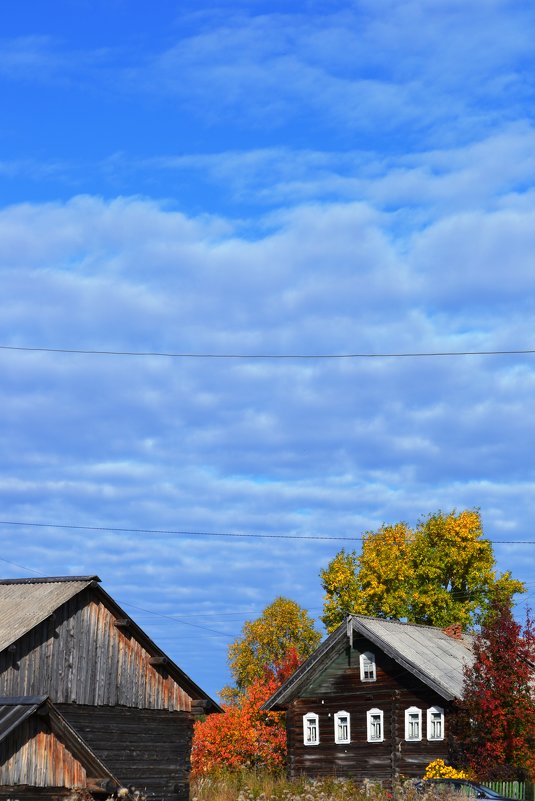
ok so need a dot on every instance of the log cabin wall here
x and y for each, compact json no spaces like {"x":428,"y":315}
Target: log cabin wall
{"x":340,"y":688}
{"x":29,"y":793}
{"x":78,"y":655}
{"x":147,"y":748}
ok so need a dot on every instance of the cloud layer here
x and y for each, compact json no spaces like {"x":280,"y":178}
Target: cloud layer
{"x":245,"y":179}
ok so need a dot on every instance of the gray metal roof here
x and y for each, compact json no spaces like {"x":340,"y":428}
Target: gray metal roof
{"x":437,"y":658}
{"x":14,"y":710}
{"x":24,"y":603}
{"x":427,"y":652}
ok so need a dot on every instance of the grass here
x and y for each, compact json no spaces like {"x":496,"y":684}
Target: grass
{"x":263,"y":786}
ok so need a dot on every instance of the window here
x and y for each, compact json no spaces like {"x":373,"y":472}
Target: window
{"x":367,"y":666}
{"x":342,"y":727}
{"x":311,"y":731}
{"x":413,"y":723}
{"x":374,"y":719}
{"x":435,"y":723}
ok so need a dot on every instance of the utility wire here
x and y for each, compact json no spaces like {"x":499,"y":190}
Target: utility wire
{"x":273,"y":356}
{"x":177,"y":620}
{"x":182,"y":532}
{"x":22,"y":567}
{"x":127,"y":603}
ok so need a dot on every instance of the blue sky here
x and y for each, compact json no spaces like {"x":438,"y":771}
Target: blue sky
{"x":260,"y":178}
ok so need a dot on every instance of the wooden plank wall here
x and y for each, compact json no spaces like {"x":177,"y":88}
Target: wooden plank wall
{"x":340,"y":688}
{"x":79,"y":656}
{"x":33,"y":755}
{"x":149,"y":749}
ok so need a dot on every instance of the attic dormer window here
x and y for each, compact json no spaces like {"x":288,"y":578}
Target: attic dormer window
{"x":367,"y":666}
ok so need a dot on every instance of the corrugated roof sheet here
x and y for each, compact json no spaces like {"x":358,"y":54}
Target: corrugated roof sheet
{"x":14,"y":710}
{"x":24,"y":603}
{"x":437,"y":658}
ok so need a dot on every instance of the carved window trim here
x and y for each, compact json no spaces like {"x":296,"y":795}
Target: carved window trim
{"x":342,"y":727}
{"x":375,"y":725}
{"x":368,"y":669}
{"x":435,"y":723}
{"x":311,"y":729}
{"x":413,"y":724}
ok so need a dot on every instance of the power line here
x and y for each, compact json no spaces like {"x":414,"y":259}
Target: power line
{"x":179,"y":532}
{"x":22,"y":567}
{"x":186,"y":533}
{"x":270,"y":356}
{"x":175,"y":619}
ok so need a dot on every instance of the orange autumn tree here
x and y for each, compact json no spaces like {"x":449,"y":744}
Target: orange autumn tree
{"x":244,"y":736}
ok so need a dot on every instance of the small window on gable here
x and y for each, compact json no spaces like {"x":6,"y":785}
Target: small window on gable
{"x":435,"y":723}
{"x":367,"y":666}
{"x":374,"y":720}
{"x":311,"y":730}
{"x":413,"y":723}
{"x":342,"y":727}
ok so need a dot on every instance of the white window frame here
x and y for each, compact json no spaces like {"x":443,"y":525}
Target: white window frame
{"x":435,"y":710}
{"x":313,"y":718}
{"x":367,"y":661}
{"x":337,"y":738}
{"x":409,"y":713}
{"x":369,"y":715}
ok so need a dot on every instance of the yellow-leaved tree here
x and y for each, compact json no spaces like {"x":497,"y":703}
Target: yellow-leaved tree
{"x":283,"y":627}
{"x":440,"y":573}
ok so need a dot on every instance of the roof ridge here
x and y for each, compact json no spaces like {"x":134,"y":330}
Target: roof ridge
{"x":401,"y":622}
{"x":48,"y":579}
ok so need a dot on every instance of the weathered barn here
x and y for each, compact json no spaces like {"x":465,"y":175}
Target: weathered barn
{"x":66,"y":638}
{"x":42,"y":757}
{"x":373,"y":701}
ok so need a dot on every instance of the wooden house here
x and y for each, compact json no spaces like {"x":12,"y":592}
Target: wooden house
{"x":374,"y":700}
{"x":42,"y":756}
{"x":67,"y":639}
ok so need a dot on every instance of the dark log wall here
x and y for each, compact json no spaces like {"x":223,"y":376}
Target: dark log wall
{"x":146,"y":748}
{"x":339,"y":688}
{"x":80,"y":656}
{"x":28,"y":793}
{"x":33,"y":755}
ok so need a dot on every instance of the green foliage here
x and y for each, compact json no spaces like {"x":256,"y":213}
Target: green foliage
{"x":265,"y":642}
{"x":440,"y":573}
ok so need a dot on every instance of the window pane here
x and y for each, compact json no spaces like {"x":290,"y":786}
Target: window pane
{"x":436,"y":725}
{"x":414,"y":726}
{"x":368,"y":667}
{"x":310,"y":729}
{"x":375,"y":727}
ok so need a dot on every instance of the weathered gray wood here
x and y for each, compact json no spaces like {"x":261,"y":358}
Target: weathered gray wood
{"x":132,"y":703}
